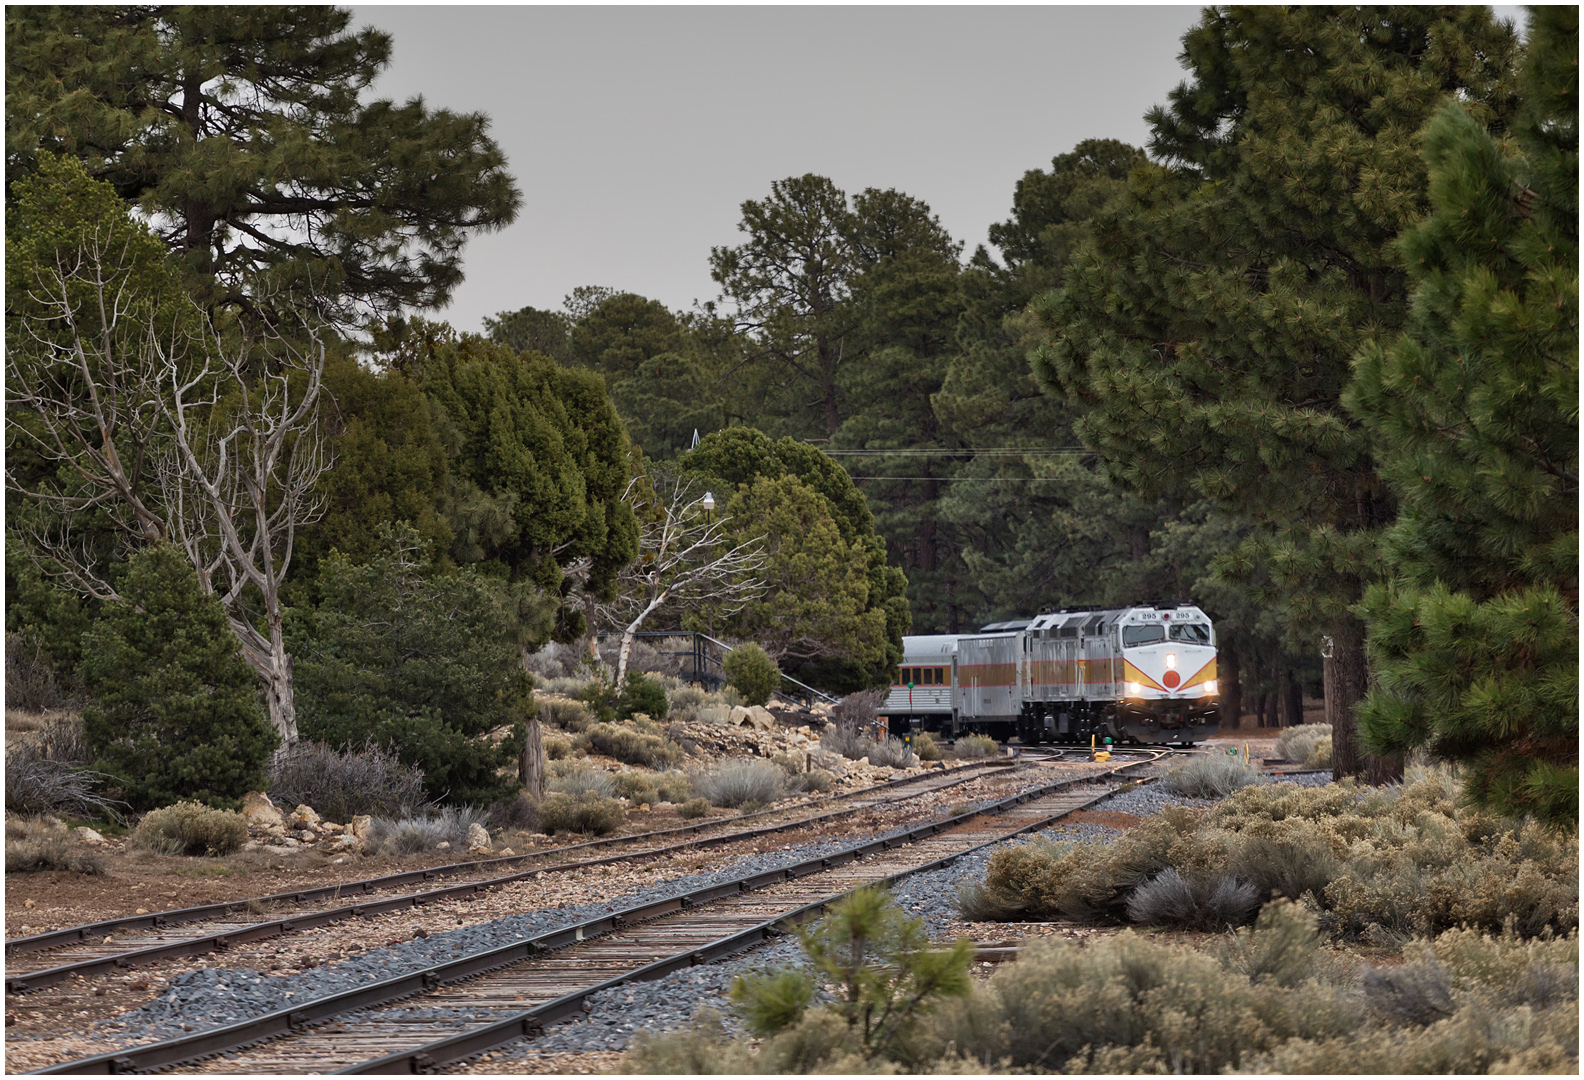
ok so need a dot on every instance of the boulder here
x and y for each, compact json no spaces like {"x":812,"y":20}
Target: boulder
{"x":478,"y":840}
{"x":258,"y":810}
{"x":307,"y":836}
{"x":359,"y":826}
{"x":831,"y":762}
{"x":88,"y":836}
{"x":342,"y":842}
{"x":302,"y":818}
{"x":444,"y":845}
{"x":751,"y":716}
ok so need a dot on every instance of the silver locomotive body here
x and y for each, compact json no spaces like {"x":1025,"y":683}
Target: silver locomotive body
{"x":1139,"y":674}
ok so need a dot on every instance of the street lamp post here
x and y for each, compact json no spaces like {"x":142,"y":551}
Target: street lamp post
{"x":708,"y":502}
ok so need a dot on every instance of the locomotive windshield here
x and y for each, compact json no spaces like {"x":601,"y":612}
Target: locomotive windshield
{"x":1143,"y":635}
{"x":1196,"y":633}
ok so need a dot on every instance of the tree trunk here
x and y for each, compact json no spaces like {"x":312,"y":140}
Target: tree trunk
{"x":531,"y":761}
{"x":1267,"y":709}
{"x":1231,"y":686}
{"x":273,"y":665}
{"x":1291,"y":700}
{"x":1348,"y":670}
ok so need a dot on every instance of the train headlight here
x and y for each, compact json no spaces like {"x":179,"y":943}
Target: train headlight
{"x":1135,"y":689}
{"x":1171,"y":661}
{"x":1210,"y":686}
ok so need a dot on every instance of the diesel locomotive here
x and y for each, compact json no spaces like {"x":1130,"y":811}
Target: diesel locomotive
{"x":1142,"y":674}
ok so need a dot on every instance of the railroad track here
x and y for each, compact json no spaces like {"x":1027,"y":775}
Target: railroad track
{"x":504,"y":994}
{"x":114,"y":945}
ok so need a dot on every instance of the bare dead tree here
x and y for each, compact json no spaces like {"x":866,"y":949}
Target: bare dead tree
{"x":684,"y":556}
{"x":177,"y":434}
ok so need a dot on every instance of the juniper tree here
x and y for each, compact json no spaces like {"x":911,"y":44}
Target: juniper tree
{"x":1208,"y":327}
{"x":175,"y":712}
{"x":1474,"y":415}
{"x":242,"y":134}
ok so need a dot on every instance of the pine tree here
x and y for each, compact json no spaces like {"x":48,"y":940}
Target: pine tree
{"x":242,"y":133}
{"x":1209,"y":326}
{"x":175,"y":711}
{"x":1474,"y":415}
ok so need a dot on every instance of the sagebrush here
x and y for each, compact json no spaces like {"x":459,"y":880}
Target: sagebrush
{"x":418,"y":833}
{"x":34,"y":844}
{"x":742,"y":782}
{"x":190,"y":828}
{"x":586,"y":813}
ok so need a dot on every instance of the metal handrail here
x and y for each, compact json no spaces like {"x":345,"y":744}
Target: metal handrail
{"x":702,"y":659}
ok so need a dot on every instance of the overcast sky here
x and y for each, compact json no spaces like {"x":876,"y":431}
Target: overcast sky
{"x":636,"y":133}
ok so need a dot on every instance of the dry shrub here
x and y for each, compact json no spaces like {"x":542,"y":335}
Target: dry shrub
{"x":1204,"y":903}
{"x":34,"y":844}
{"x":893,"y":752}
{"x":859,"y":710}
{"x":674,"y":787}
{"x":815,"y":780}
{"x":31,"y":681}
{"x":1124,"y":1005}
{"x":420,"y":833}
{"x":788,"y":763}
{"x":637,"y":787}
{"x":925,"y":746}
{"x":694,"y":808}
{"x":586,"y":813}
{"x":976,"y":746}
{"x":564,"y":713}
{"x":1399,"y":861}
{"x":1307,"y":744}
{"x":38,"y":784}
{"x":190,"y":828}
{"x":581,"y":780}
{"x":1210,"y":776}
{"x":630,"y":745}
{"x":741,"y":782}
{"x":556,"y":748}
{"x":702,"y":1047}
{"x":553,"y":662}
{"x":1409,"y":995}
{"x":342,"y":783}
{"x":521,"y":813}
{"x":846,"y":740}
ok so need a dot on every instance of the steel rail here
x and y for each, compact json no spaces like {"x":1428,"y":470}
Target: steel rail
{"x":532,"y":1022}
{"x":156,"y":920}
{"x":302,"y":1015}
{"x":221,"y":940}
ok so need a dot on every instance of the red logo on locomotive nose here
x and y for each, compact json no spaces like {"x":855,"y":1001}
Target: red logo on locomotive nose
{"x":1171,"y":679}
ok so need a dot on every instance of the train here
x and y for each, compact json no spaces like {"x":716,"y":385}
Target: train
{"x":1143,"y":675}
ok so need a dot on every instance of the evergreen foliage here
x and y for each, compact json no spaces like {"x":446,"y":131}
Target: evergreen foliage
{"x":422,"y":665}
{"x":1208,"y":327}
{"x":749,"y":668}
{"x":175,"y":710}
{"x":1474,"y":415}
{"x":242,"y":130}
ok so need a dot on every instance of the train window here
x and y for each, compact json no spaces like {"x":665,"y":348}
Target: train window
{"x":1197,"y":633}
{"x":1142,"y":635}
{"x":929,"y":677}
{"x":940,"y":676}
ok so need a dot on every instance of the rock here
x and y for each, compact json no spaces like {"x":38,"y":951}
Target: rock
{"x":330,"y":826}
{"x":30,"y":903}
{"x":302,"y":818}
{"x":444,"y":845}
{"x":258,"y":810}
{"x":831,"y":762}
{"x":87,"y":835}
{"x":478,"y":840}
{"x":342,"y":842}
{"x":141,"y":911}
{"x":251,"y":845}
{"x":275,"y":830}
{"x":359,"y":826}
{"x":307,"y":836}
{"x":506,"y":852}
{"x":751,"y":716}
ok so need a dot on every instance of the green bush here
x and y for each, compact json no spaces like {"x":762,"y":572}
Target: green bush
{"x":750,"y":669}
{"x":642,"y":694}
{"x":585,"y":813}
{"x":176,"y":712}
{"x":190,"y":828}
{"x":694,"y":808}
{"x":925,"y":746}
{"x":1210,"y":776}
{"x":976,"y":746}
{"x":33,"y":844}
{"x":557,"y":748}
{"x":630,"y":746}
{"x":420,"y":662}
{"x":567,"y":715}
